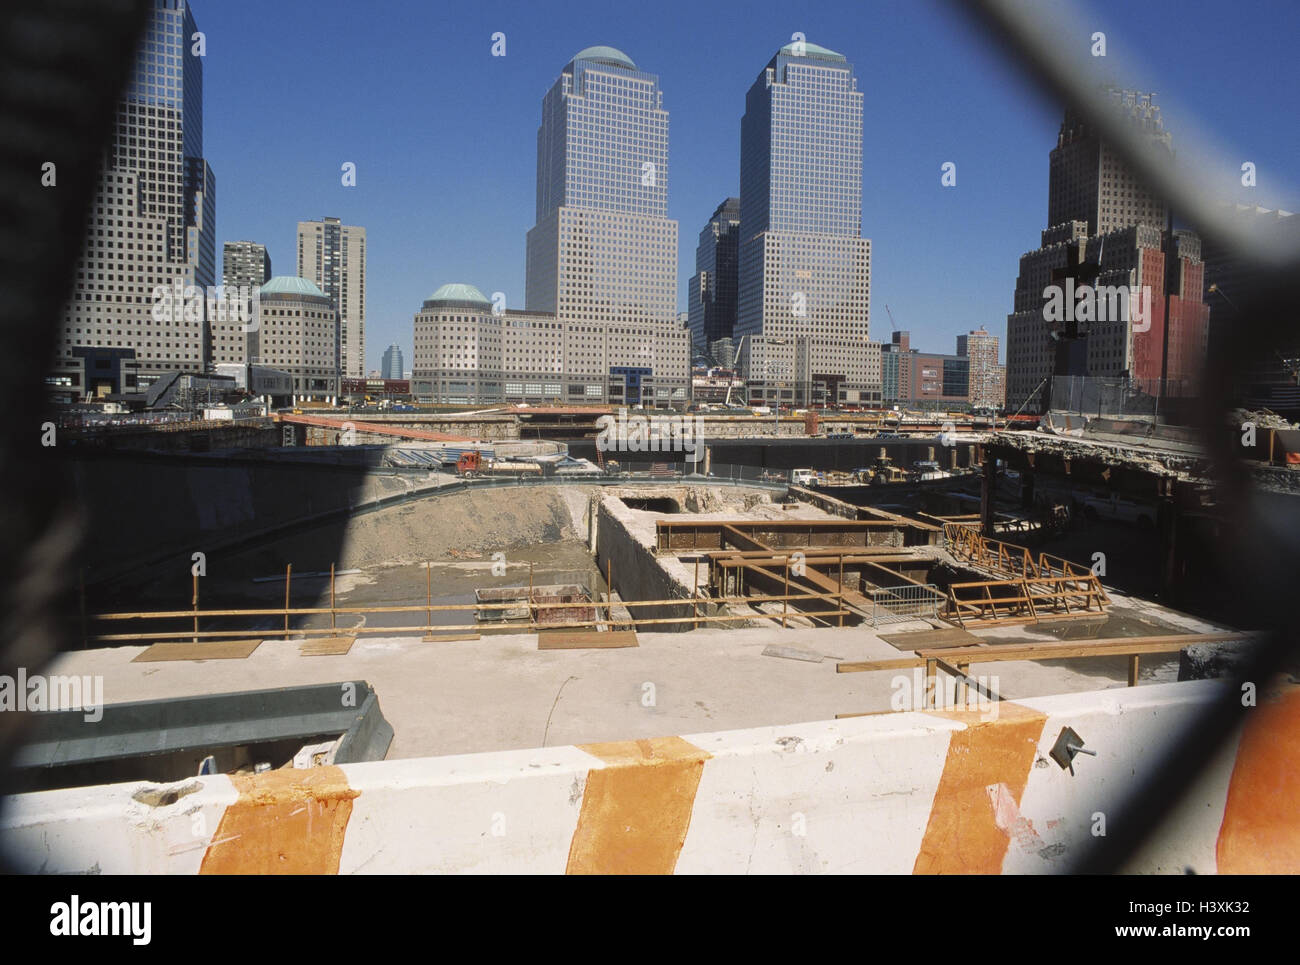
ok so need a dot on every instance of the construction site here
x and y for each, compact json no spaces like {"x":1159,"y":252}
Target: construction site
{"x":651,"y":669}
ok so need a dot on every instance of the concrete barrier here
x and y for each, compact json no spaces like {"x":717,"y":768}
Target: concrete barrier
{"x":934,"y":792}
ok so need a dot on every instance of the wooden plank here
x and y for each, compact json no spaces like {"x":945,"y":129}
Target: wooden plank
{"x":325,"y":646}
{"x":1108,"y":647}
{"x":865,"y":666}
{"x":212,"y":650}
{"x":931,"y":639}
{"x":448,"y":637}
{"x":585,"y":639}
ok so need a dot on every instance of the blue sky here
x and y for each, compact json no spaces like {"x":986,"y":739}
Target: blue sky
{"x":443,"y":134}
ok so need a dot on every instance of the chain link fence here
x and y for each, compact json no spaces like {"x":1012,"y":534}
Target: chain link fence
{"x":1113,"y":398}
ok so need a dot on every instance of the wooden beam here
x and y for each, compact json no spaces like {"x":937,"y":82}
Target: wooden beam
{"x":860,"y":666}
{"x":994,"y":653}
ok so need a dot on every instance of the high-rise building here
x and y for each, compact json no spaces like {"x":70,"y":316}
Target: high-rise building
{"x":245,"y":263}
{"x":333,"y":255}
{"x":245,"y":268}
{"x":1136,"y":318}
{"x":1088,"y":181}
{"x":981,"y":348}
{"x":896,"y":368}
{"x":803,"y":302}
{"x":711,"y":291}
{"x":602,"y":256}
{"x":393,"y":362}
{"x":1271,"y":379}
{"x":151,"y":226}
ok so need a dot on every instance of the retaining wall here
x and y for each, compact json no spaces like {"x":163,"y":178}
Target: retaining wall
{"x":936,"y":792}
{"x":637,"y":574}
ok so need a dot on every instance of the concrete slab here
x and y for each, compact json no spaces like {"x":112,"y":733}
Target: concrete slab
{"x":501,"y":692}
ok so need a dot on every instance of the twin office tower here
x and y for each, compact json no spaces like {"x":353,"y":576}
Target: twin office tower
{"x":785,"y":267}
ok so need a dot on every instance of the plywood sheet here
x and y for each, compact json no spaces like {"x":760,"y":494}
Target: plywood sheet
{"x":325,"y":646}
{"x":932,"y":639}
{"x":212,"y":650}
{"x":585,"y":639}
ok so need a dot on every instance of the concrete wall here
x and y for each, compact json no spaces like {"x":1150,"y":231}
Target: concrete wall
{"x":202,"y":437}
{"x":938,"y":792}
{"x":637,"y":574}
{"x":141,"y":510}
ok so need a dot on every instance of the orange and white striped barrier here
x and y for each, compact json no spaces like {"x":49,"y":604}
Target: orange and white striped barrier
{"x":943,"y":792}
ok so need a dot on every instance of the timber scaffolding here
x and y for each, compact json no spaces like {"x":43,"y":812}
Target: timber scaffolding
{"x":877,"y":570}
{"x":1026,"y":586}
{"x":854,"y":568}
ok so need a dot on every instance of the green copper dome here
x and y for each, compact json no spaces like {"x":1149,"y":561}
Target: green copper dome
{"x":458,"y":293}
{"x":289,"y":285}
{"x":606,"y":55}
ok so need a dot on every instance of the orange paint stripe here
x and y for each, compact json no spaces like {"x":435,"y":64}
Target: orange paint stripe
{"x":1260,"y":833}
{"x":636,"y":809}
{"x":963,"y":835}
{"x":288,"y":822}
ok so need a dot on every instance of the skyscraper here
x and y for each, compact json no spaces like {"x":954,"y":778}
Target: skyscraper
{"x":602,"y":256}
{"x":245,"y":267}
{"x":156,"y":201}
{"x":393,"y":362}
{"x":805,"y":269}
{"x":333,"y":255}
{"x":1089,"y":182}
{"x":1108,"y":235}
{"x":244,"y":263}
{"x":712,"y":289}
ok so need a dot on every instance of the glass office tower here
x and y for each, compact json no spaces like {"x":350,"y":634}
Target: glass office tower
{"x":602,"y":257}
{"x":711,"y":295}
{"x":158,"y":194}
{"x":805,"y":269}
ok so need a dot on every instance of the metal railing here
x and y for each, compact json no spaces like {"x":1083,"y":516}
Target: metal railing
{"x":910,"y":601}
{"x":1008,"y":559}
{"x":692,"y":610}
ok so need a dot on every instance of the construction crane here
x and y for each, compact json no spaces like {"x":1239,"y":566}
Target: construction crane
{"x":893,"y":324}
